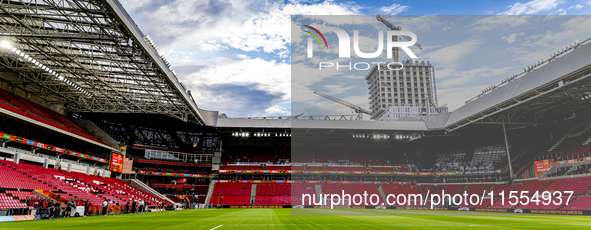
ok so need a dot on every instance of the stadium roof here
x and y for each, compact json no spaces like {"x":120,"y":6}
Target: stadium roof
{"x":551,"y":92}
{"x":321,"y":124}
{"x":90,"y":56}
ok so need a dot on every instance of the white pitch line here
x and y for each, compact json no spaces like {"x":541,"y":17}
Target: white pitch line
{"x":216,"y":227}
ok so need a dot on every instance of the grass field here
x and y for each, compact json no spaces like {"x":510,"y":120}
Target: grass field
{"x":244,"y":219}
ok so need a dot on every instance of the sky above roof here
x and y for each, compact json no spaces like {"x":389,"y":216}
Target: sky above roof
{"x":235,"y":56}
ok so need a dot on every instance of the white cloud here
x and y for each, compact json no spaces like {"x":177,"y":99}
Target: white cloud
{"x":465,"y":77}
{"x":450,"y":56}
{"x":247,"y":87}
{"x":306,"y":77}
{"x":199,"y":29}
{"x":328,"y":107}
{"x":247,"y":25}
{"x":532,"y":7}
{"x":277,"y":111}
{"x":338,"y":89}
{"x":135,"y":4}
{"x":270,"y":32}
{"x":509,"y":38}
{"x":576,"y":28}
{"x":562,"y":11}
{"x":531,"y":47}
{"x":494,"y":22}
{"x":211,"y":46}
{"x":269,"y":76}
{"x":394,"y":9}
{"x":544,"y":44}
{"x":457,"y":97}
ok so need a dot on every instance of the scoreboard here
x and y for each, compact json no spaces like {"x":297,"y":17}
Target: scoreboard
{"x":116,"y":162}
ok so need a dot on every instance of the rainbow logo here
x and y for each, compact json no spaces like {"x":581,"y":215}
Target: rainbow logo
{"x":317,"y":39}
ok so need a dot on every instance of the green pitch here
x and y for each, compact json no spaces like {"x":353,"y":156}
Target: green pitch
{"x":244,"y":219}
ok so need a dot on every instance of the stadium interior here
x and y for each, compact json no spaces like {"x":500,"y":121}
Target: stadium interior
{"x":93,"y":112}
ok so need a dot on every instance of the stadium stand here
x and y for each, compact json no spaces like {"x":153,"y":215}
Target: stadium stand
{"x":371,"y":189}
{"x":579,"y":203}
{"x":118,"y":189}
{"x":345,"y":168}
{"x":242,"y":167}
{"x":498,"y":188}
{"x":578,"y":185}
{"x":386,"y":169}
{"x":249,"y":154}
{"x":478,"y":159}
{"x":500,"y":203}
{"x":273,"y":194}
{"x":172,"y":170}
{"x":259,"y":167}
{"x":72,"y":185}
{"x":300,"y":189}
{"x":532,"y":186}
{"x":549,"y":206}
{"x":449,"y":189}
{"x":477,"y":188}
{"x":278,"y":167}
{"x":7,"y":201}
{"x":315,"y":168}
{"x":31,"y":110}
{"x":396,"y":188}
{"x":16,"y":179}
{"x":485,"y":203}
{"x":231,"y":194}
{"x":279,"y":193}
{"x":574,"y":144}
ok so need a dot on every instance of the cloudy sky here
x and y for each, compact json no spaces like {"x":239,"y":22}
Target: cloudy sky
{"x":235,"y":56}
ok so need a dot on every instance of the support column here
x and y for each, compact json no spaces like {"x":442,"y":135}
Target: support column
{"x":507,"y":147}
{"x":17,"y":158}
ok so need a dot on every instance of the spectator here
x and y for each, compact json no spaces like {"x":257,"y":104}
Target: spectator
{"x":51,"y":210}
{"x":133,"y":205}
{"x":86,"y":207}
{"x":58,"y":211}
{"x":69,"y":205}
{"x":105,"y":204}
{"x":142,"y":206}
{"x":127,"y":207}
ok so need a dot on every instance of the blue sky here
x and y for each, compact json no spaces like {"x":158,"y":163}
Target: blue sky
{"x":235,"y":56}
{"x":469,"y":53}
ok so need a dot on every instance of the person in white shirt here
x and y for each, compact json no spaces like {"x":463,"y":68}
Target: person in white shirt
{"x":142,"y":206}
{"x":105,"y":204}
